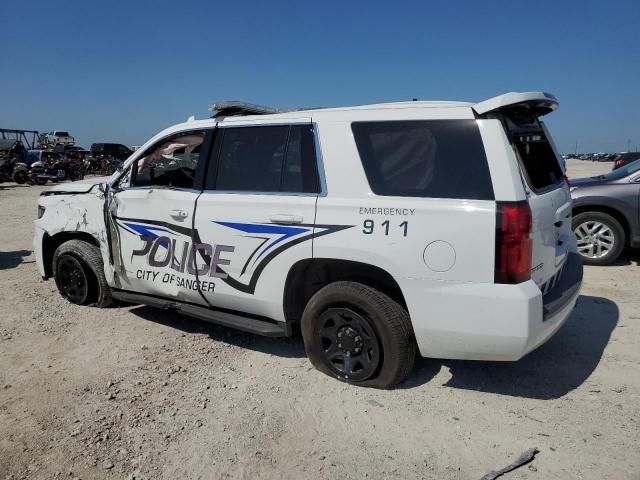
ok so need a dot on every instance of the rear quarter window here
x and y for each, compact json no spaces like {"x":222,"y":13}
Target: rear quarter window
{"x":426,"y":158}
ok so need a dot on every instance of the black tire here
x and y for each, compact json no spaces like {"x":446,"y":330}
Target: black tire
{"x":20,"y":177}
{"x":76,"y":175}
{"x":376,"y":319}
{"x":618,"y":235}
{"x":40,"y":181}
{"x":79,"y":274}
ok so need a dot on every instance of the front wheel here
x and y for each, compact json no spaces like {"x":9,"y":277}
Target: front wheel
{"x":79,"y":274}
{"x":358,"y":335}
{"x":20,"y":177}
{"x":600,"y":237}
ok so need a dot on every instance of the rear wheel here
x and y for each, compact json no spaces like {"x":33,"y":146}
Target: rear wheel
{"x":79,"y":274}
{"x":600,"y":237}
{"x":358,"y":335}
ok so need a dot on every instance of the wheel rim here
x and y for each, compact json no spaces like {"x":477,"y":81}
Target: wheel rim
{"x":348,"y":344}
{"x":595,"y":239}
{"x":72,"y":279}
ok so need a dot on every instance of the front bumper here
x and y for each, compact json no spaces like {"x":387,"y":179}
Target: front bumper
{"x":490,"y":321}
{"x":38,"y":236}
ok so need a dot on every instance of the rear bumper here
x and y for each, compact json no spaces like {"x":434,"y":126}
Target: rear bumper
{"x":490,"y":321}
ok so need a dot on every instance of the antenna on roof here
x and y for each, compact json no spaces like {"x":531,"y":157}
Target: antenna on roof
{"x":235,"y":108}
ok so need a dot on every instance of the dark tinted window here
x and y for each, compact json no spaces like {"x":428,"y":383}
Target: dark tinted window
{"x":431,"y":158}
{"x":537,"y":157}
{"x":62,"y":134}
{"x":267,"y":159}
{"x":300,"y":172}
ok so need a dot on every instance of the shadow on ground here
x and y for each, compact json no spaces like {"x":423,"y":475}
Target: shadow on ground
{"x":281,"y":346}
{"x":12,"y":186}
{"x":556,"y":368}
{"x":553,"y":370}
{"x":12,"y":259}
{"x":630,"y":256}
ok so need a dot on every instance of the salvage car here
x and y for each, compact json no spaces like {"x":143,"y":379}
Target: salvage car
{"x":378,"y":230}
{"x":606,"y":213}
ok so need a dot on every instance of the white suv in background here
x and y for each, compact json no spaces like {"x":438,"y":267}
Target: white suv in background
{"x":381,"y":230}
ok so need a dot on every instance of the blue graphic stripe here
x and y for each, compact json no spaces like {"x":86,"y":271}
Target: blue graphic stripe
{"x":284,"y":231}
{"x":147,"y":231}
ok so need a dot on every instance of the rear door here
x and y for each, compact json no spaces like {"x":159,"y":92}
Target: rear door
{"x":256,"y":215}
{"x":543,"y":178}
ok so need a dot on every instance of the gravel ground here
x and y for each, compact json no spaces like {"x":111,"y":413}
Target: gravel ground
{"x":131,"y":392}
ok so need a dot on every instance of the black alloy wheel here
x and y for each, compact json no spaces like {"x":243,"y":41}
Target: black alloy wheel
{"x":349,"y":344}
{"x":72,"y":279}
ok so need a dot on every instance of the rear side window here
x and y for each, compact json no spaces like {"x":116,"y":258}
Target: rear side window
{"x":538,"y":160}
{"x":267,"y":159}
{"x":427,"y":158}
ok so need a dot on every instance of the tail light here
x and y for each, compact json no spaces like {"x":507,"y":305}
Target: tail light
{"x":567,"y":181}
{"x":619,"y":163}
{"x":513,"y":242}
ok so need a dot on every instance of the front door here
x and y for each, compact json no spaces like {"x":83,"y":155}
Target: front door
{"x":153,"y":214}
{"x":256,"y":214}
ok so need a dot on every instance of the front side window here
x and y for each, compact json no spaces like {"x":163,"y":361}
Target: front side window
{"x":172,"y":163}
{"x":426,"y":158}
{"x":267,"y":159}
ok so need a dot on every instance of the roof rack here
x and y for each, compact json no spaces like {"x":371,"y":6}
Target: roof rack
{"x":235,"y":108}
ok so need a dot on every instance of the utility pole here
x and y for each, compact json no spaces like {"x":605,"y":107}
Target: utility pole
{"x":628,"y":144}
{"x":575,"y":152}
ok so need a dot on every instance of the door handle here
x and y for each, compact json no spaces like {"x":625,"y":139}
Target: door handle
{"x":287,"y":219}
{"x":179,"y":214}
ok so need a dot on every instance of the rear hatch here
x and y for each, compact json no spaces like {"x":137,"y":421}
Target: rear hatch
{"x":543,"y":178}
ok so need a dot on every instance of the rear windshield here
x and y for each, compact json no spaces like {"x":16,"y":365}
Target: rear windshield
{"x":537,"y":157}
{"x":62,"y":134}
{"x":426,"y":158}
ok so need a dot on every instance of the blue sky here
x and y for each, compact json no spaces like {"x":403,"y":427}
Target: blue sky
{"x":122,"y":71}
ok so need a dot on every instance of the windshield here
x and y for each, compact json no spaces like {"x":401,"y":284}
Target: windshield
{"x":625,"y":171}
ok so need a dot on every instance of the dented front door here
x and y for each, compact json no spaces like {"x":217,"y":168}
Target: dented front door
{"x":154,"y":242}
{"x":150,"y":217}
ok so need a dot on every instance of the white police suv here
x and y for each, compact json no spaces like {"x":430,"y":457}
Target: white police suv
{"x":381,"y":230}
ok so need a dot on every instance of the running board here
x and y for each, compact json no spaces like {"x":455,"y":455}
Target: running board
{"x":264,"y":327}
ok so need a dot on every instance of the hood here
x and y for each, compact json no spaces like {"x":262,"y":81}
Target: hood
{"x":81,"y":186}
{"x":587,"y":181}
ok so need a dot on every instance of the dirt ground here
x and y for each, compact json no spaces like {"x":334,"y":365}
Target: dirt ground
{"x":132,"y":392}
